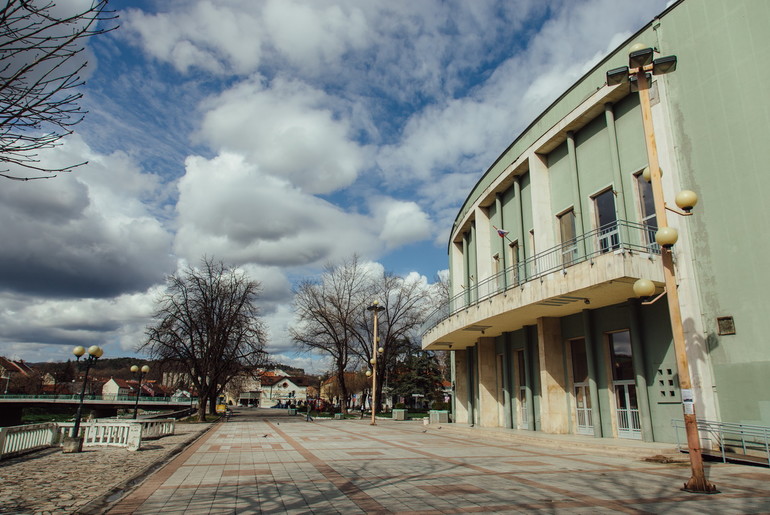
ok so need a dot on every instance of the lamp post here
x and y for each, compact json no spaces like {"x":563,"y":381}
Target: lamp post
{"x":375,"y":308}
{"x":142,"y":372}
{"x":641,"y":63}
{"x":74,"y":443}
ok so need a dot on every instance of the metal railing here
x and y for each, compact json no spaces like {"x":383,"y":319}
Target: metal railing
{"x":617,"y":236}
{"x":106,"y":398}
{"x":736,"y":441}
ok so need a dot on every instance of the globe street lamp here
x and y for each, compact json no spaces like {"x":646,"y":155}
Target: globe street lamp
{"x":375,"y":308}
{"x":74,"y":443}
{"x":142,"y":372}
{"x":641,"y":63}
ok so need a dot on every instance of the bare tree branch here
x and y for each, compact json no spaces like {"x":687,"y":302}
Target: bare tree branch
{"x":332,"y":318}
{"x":40,"y":65}
{"x":209,"y":326}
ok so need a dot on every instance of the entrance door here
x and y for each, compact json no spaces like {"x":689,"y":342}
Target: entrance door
{"x":627,"y":409}
{"x":581,"y":388}
{"x":607,"y":220}
{"x":624,"y":385}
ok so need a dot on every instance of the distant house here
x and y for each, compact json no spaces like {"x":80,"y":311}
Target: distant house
{"x":277,"y":388}
{"x":9,"y":369}
{"x":116,"y":388}
{"x":331,"y":391}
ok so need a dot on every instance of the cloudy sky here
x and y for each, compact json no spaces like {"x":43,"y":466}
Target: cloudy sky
{"x":277,"y":135}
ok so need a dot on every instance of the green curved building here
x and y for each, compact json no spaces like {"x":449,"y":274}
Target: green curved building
{"x":543,"y":324}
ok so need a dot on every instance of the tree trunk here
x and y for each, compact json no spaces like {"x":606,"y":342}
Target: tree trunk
{"x":202,"y":404}
{"x":343,"y":390}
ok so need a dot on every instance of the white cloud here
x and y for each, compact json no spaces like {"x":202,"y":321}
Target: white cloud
{"x":229,"y":209}
{"x":288,"y":130}
{"x":208,"y":35}
{"x":403,"y":222}
{"x":82,"y":234}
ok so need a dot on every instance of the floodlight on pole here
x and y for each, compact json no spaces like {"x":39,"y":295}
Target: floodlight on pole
{"x":641,"y":63}
{"x":375,"y":308}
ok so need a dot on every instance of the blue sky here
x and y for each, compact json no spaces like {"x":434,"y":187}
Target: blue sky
{"x":277,"y":136}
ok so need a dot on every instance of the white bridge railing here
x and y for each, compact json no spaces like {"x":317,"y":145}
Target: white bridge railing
{"x":118,"y":433}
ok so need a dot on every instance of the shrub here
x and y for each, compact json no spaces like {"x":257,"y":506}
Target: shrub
{"x":439,"y":405}
{"x":400,"y":405}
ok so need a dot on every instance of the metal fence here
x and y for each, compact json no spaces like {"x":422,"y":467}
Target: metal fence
{"x":735,"y":441}
{"x":617,"y":236}
{"x":106,"y":398}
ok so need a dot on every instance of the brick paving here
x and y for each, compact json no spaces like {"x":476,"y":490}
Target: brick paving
{"x":261,"y":463}
{"x":51,"y":482}
{"x":265,"y":462}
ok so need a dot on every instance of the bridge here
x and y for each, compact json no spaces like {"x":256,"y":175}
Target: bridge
{"x":100,"y":406}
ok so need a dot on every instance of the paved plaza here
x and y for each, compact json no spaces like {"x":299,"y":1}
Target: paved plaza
{"x":261,"y":462}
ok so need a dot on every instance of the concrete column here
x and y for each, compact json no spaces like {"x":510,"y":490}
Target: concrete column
{"x":466,"y":270}
{"x":503,"y":252}
{"x":640,"y":367}
{"x":577,"y":199}
{"x":554,"y":409}
{"x":483,"y":245}
{"x":521,"y":273}
{"x":457,"y":268}
{"x":487,"y":374}
{"x":617,"y":175}
{"x":542,"y":216}
{"x":461,"y":387}
{"x":596,"y":412}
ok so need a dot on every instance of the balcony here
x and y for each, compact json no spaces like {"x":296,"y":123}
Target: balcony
{"x":593,"y":270}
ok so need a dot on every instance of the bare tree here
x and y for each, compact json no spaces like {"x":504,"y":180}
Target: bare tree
{"x":329,"y":311}
{"x":207,"y":323}
{"x":406,"y":302}
{"x":40,"y":67}
{"x":333,"y":318}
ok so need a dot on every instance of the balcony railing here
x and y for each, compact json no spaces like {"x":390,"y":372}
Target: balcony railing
{"x":619,"y":235}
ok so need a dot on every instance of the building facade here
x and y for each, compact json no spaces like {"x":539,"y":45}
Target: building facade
{"x":545,"y":331}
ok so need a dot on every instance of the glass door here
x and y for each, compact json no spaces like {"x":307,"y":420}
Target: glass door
{"x":581,"y":387}
{"x":624,"y":386}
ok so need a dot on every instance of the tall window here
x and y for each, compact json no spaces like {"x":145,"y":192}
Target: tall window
{"x":514,"y":262}
{"x":622,"y":359}
{"x":568,"y":242}
{"x":647,"y":209}
{"x":607,"y":221}
{"x":533,"y":251}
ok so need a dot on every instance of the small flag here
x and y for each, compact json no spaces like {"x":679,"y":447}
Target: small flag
{"x":502,"y":233}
